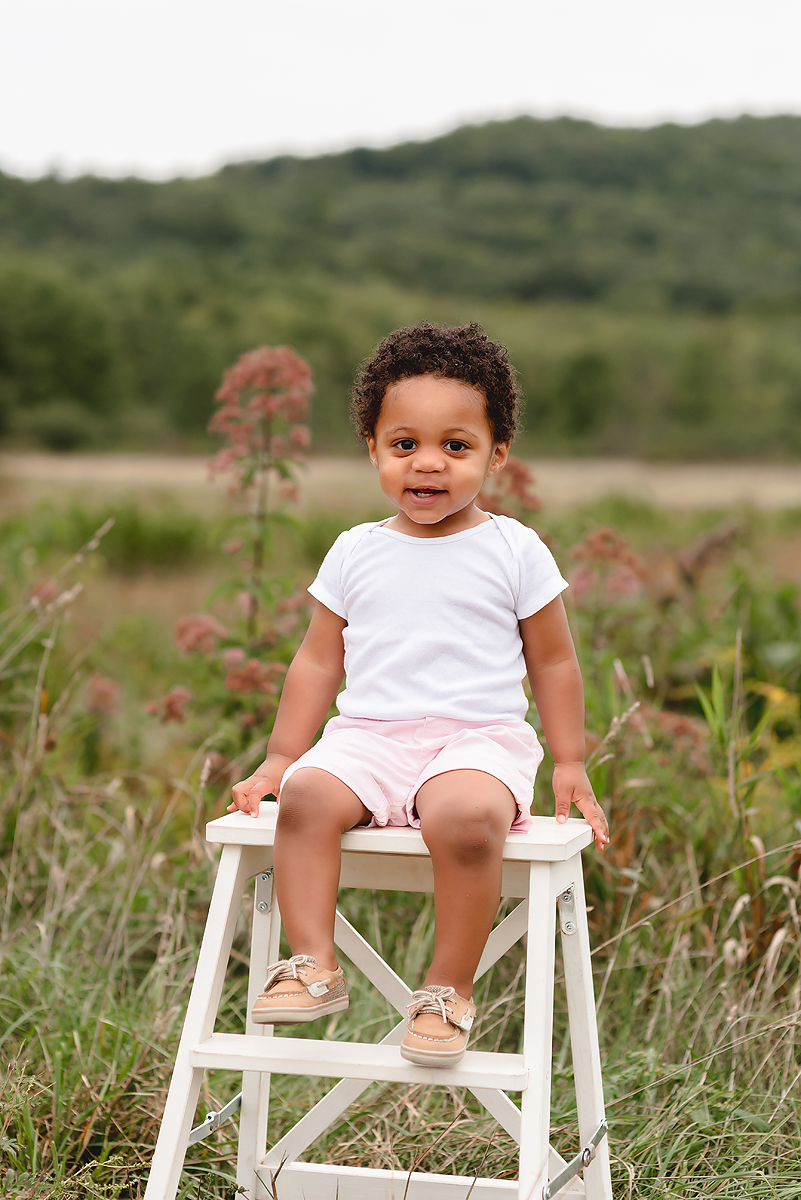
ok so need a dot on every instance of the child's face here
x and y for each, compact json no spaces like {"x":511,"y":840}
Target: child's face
{"x":434,"y":449}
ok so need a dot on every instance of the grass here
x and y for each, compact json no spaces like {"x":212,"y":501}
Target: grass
{"x":694,"y":912}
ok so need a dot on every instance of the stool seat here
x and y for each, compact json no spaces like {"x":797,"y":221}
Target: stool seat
{"x":542,"y":867}
{"x":547,"y":841}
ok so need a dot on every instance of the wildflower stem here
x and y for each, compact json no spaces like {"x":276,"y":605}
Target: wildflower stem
{"x":259,"y":523}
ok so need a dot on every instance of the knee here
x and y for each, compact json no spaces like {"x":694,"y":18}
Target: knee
{"x":302,"y":803}
{"x":470,"y":832}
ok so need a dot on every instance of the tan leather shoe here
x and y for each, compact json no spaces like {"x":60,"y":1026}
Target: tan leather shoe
{"x":439,"y":1025}
{"x":297,"y":989}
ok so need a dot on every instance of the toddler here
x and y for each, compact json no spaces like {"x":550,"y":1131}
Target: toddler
{"x":433,"y":617}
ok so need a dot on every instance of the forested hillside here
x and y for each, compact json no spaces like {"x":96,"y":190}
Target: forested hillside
{"x":648,"y":283}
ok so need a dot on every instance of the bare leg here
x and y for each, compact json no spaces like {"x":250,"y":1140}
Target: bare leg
{"x":315,"y":810}
{"x":464,"y":817}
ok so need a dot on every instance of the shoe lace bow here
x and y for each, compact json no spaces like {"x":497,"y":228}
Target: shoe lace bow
{"x":431,"y":1000}
{"x":287,"y":968}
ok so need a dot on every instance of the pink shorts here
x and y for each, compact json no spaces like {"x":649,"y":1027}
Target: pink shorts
{"x":387,"y":762}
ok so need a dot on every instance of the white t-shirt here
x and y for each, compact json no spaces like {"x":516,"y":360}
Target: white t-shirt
{"x":433,"y":622}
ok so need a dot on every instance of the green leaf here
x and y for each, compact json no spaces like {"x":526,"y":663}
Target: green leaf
{"x":751,"y":1119}
{"x":710,"y":714}
{"x":717,"y":697}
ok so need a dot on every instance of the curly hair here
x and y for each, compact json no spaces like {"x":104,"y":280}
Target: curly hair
{"x":462,"y":352}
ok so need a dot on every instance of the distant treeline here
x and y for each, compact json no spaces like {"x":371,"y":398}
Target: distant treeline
{"x":647,"y":282}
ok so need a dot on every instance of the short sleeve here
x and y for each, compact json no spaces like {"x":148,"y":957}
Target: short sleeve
{"x":327,"y":586}
{"x":540,"y":578}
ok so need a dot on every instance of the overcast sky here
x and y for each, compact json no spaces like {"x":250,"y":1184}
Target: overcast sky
{"x":161,"y":87}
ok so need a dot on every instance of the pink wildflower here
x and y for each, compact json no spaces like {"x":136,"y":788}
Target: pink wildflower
{"x":296,"y":409}
{"x":233,"y":657}
{"x":232,"y":547}
{"x":198,"y":631}
{"x":290,"y":609}
{"x":607,"y":544}
{"x":607,"y":559}
{"x":511,"y":489}
{"x":582,"y":579}
{"x":623,"y":582}
{"x":225,"y":459}
{"x":300,"y":436}
{"x":246,"y":602}
{"x":255,"y":676}
{"x":299,"y":599}
{"x":685,"y":735}
{"x":289,"y":490}
{"x":172,"y":706}
{"x":102,"y":693}
{"x":263,"y":403}
{"x":269,"y":368}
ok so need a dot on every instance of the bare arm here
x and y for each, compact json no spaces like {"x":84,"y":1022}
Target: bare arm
{"x":311,"y":684}
{"x":556,"y":686}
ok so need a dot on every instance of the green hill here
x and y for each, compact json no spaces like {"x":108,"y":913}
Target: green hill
{"x":647,"y":281}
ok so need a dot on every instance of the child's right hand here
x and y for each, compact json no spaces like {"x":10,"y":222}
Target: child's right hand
{"x":265,"y":781}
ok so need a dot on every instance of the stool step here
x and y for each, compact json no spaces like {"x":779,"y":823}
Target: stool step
{"x":315,"y":1181}
{"x":353,"y":1060}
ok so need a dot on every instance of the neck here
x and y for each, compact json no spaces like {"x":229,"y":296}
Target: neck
{"x":466,"y":518}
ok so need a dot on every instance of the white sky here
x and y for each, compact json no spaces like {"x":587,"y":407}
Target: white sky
{"x":160,"y":87}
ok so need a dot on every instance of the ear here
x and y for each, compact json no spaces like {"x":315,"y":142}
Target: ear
{"x":500,"y":454}
{"x":372,"y":450}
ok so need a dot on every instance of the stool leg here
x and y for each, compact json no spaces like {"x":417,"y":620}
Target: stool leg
{"x":256,"y":1084}
{"x":176,"y":1123}
{"x":584,"y":1041}
{"x":535,"y":1113}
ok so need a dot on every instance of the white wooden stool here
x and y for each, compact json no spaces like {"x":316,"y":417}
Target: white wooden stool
{"x":542,"y":867}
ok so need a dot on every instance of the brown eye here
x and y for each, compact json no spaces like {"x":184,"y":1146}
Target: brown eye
{"x":405,"y":444}
{"x":455,"y":446}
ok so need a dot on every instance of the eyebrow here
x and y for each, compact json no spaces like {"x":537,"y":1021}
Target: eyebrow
{"x":446,"y":432}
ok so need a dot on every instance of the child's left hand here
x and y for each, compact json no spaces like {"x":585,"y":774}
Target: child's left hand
{"x":571,"y":786}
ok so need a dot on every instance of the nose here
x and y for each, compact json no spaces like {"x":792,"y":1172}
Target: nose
{"x":429,"y":459}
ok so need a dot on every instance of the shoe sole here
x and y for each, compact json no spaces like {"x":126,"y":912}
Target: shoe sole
{"x":296,"y":1016}
{"x":431,"y":1058}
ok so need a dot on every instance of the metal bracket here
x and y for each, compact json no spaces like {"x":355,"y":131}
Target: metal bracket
{"x":567,"y":911}
{"x":264,"y":891}
{"x":582,"y":1160}
{"x":214,"y":1120}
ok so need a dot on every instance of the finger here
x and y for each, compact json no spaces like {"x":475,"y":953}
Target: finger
{"x":241,"y":795}
{"x":240,"y":791}
{"x":262,"y":787}
{"x":239,"y":805}
{"x":591,"y":810}
{"x":562,"y":808}
{"x":600,"y":828}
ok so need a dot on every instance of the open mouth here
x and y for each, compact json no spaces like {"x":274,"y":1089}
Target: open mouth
{"x":425,"y":493}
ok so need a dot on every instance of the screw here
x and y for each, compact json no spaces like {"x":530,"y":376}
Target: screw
{"x":569,"y":927}
{"x":262,"y":906}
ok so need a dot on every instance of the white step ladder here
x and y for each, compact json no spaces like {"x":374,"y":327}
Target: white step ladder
{"x":543,"y":868}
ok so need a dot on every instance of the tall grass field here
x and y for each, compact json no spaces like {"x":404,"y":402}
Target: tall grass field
{"x":122,"y":728}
